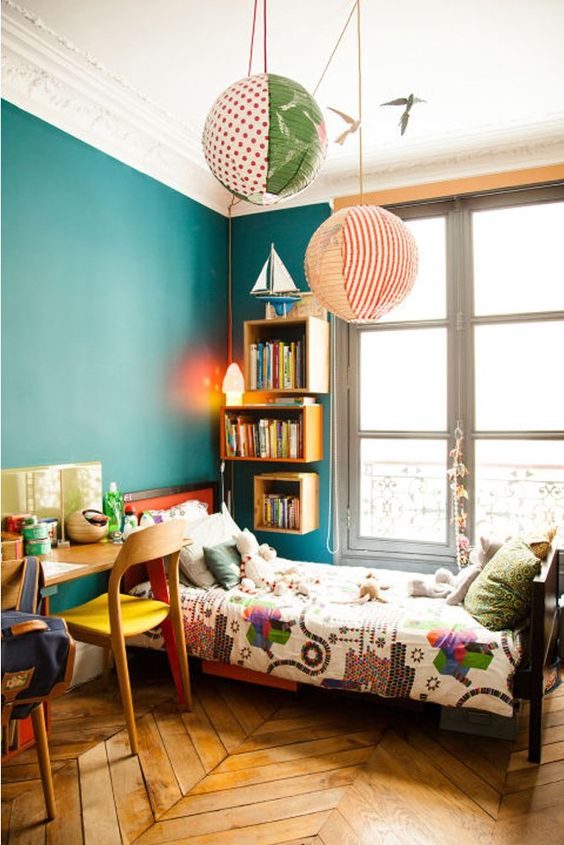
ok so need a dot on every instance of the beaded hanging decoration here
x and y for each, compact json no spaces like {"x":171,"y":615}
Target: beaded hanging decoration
{"x":456,"y":475}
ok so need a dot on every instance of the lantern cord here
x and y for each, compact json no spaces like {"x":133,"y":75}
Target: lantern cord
{"x":229,"y":287}
{"x":264,"y":30}
{"x":333,"y":462}
{"x":252,"y":38}
{"x":335,"y":48}
{"x":360,"y":157}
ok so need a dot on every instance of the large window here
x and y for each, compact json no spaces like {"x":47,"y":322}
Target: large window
{"x":479,"y":342}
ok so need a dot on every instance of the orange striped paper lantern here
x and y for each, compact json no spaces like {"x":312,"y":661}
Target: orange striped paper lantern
{"x":361,"y":262}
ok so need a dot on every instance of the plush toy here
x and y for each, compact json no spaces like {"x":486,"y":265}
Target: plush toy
{"x":256,"y":562}
{"x":370,"y":589}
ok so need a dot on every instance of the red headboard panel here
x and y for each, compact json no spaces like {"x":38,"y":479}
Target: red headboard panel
{"x":166,"y":497}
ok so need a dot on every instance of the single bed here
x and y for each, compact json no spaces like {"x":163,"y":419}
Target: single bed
{"x":405,"y":648}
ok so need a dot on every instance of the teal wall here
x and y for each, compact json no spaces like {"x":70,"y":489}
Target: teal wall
{"x":113,"y":313}
{"x":290,"y":230}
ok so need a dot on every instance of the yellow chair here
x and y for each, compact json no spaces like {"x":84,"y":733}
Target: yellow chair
{"x":108,"y":620}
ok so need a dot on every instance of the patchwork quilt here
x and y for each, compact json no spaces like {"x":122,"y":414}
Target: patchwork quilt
{"x":407,"y":647}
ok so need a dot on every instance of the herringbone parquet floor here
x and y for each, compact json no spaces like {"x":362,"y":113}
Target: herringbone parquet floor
{"x":253,"y":765}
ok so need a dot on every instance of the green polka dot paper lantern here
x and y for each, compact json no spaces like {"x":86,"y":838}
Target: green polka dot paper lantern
{"x":264,"y":138}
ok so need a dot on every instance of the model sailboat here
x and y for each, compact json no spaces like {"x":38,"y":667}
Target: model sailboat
{"x":275,"y":285}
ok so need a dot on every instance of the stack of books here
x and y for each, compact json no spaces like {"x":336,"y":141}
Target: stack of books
{"x":280,"y":511}
{"x":277,"y":365}
{"x":246,"y":437}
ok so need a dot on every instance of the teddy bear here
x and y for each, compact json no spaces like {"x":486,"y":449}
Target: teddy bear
{"x":256,"y":562}
{"x":257,"y":571}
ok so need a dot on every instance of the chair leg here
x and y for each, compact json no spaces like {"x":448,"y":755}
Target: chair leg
{"x":106,"y":669}
{"x":178,"y":625}
{"x":120,"y":658}
{"x":40,"y":733}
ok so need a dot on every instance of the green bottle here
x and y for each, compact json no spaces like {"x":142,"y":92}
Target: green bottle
{"x":113,"y":507}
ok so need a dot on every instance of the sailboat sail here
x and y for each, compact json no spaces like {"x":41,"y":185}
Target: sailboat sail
{"x":274,"y":279}
{"x":261,"y":284}
{"x":282,"y":282}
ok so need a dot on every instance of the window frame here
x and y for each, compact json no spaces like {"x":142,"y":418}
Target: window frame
{"x":460,"y":323}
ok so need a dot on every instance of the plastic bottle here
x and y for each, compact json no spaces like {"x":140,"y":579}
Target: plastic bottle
{"x":113,"y":507}
{"x":129,"y":521}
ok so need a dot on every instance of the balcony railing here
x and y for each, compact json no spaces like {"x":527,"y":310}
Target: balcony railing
{"x":409,"y":501}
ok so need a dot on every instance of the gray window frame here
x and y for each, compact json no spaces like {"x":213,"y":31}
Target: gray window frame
{"x":460,"y":323}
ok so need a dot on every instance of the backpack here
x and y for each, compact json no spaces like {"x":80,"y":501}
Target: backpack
{"x":37,"y":651}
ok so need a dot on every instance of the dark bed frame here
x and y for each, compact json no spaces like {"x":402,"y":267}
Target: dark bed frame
{"x":541,"y":647}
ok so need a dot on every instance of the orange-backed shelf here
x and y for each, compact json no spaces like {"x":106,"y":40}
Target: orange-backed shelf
{"x":301,"y":485}
{"x":312,"y":429}
{"x":313,"y":331}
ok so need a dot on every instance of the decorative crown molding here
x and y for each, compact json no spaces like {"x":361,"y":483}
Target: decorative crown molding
{"x":47,"y":75}
{"x":51,"y":78}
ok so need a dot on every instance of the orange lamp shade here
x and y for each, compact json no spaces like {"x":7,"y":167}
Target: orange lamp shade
{"x":361,"y":262}
{"x":233,"y":384}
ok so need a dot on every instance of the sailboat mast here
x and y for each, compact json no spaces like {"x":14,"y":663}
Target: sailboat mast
{"x":271,"y":271}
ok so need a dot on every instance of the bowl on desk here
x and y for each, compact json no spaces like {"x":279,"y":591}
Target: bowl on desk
{"x":87,"y":526}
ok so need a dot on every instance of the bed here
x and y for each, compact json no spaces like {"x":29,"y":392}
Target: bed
{"x":404,"y":648}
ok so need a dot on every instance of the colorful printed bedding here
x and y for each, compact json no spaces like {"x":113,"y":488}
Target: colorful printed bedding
{"x":415,"y":648}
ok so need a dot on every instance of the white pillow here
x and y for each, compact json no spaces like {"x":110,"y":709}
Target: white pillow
{"x":210,"y":531}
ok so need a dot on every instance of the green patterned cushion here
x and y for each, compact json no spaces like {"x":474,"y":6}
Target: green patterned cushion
{"x":500,"y":597}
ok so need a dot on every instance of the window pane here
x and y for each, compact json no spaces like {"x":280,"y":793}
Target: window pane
{"x":403,"y":380}
{"x":427,"y":298}
{"x":519,"y":486}
{"x":518,"y":259}
{"x":518,"y":377}
{"x":403,"y":490}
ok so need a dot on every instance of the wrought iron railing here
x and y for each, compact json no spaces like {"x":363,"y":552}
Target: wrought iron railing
{"x":409,"y":501}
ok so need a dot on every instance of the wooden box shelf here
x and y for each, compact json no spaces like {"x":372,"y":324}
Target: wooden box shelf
{"x":290,"y":498}
{"x":303,"y":343}
{"x":272,"y":433}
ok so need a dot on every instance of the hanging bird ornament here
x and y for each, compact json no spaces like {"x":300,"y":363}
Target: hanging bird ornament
{"x":352,"y":128}
{"x":408,"y":102}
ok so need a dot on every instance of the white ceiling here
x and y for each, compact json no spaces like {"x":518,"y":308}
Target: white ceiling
{"x":492,"y":73}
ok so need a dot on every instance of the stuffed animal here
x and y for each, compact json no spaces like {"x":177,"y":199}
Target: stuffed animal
{"x":370,"y":589}
{"x":256,"y":562}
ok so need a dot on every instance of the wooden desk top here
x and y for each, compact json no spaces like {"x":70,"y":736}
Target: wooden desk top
{"x":87,"y":559}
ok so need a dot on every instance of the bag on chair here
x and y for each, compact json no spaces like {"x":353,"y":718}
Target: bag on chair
{"x":37,"y":651}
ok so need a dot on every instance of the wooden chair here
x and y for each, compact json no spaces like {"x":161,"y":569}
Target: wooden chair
{"x":11,"y":573}
{"x":111,"y":618}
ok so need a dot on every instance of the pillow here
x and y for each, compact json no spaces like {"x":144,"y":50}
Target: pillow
{"x":190,"y":511}
{"x":500,"y":597}
{"x":223,"y":561}
{"x":210,"y":531}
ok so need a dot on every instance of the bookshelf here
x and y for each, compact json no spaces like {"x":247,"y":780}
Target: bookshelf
{"x":273,"y":433}
{"x":286,"y":355}
{"x":286,"y":502}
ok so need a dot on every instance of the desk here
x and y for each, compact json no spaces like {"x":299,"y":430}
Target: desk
{"x":87,"y":560}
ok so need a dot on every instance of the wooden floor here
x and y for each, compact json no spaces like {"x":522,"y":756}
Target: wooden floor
{"x":257,"y":766}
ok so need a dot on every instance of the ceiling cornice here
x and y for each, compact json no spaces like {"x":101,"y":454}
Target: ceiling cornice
{"x":53,"y":79}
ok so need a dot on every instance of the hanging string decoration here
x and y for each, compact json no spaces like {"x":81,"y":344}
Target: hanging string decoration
{"x":264,"y":138}
{"x":456,"y":475}
{"x":361,"y":262}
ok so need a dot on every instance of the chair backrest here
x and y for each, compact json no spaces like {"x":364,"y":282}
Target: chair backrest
{"x":166,"y":538}
{"x":11,"y":575}
{"x":21,"y":580}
